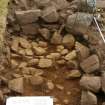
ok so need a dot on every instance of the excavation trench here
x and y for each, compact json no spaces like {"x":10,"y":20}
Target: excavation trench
{"x":40,"y":57}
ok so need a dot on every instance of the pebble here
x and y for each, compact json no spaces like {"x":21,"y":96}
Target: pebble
{"x":71,"y":55}
{"x":68,"y":41}
{"x":33,"y":62}
{"x":45,"y":63}
{"x":64,"y":52}
{"x":60,"y":87}
{"x":36,"y":80}
{"x":28,"y":52}
{"x":50,"y":85}
{"x":56,"y":38}
{"x":66,"y":101}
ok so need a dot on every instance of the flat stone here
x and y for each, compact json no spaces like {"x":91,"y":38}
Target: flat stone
{"x":17,"y":85}
{"x":50,"y":15}
{"x":56,"y":38}
{"x":90,"y":64}
{"x":68,"y":41}
{"x":82,"y":51}
{"x":71,"y":55}
{"x":73,"y":74}
{"x":45,"y":63}
{"x":39,"y":50}
{"x":88,"y":98}
{"x":36,"y":80}
{"x":24,"y":43}
{"x":29,"y":16}
{"x":92,"y":83}
{"x":15,"y":44}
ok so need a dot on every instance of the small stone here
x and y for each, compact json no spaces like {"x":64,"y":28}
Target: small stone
{"x":55,"y":55}
{"x":14,"y":64}
{"x":28,"y":52}
{"x":39,"y":50}
{"x":24,"y":43}
{"x":90,"y":64}
{"x":29,"y":16}
{"x":50,"y":14}
{"x":64,"y":52}
{"x":33,"y":62}
{"x":50,"y":85}
{"x":21,"y":52}
{"x":56,"y":38}
{"x":17,"y":85}
{"x":61,"y":62}
{"x":45,"y":63}
{"x":88,"y":98}
{"x":71,"y":55}
{"x":36,"y":80}
{"x":68,"y":41}
{"x":15,"y":44}
{"x":72,"y":64}
{"x":42,"y":44}
{"x":45,"y":33}
{"x":92,"y":83}
{"x":60,"y":48}
{"x":74,"y":74}
{"x":66,"y":101}
{"x":55,"y":100}
{"x":22,"y":65}
{"x":60,"y":87}
{"x":82,"y":51}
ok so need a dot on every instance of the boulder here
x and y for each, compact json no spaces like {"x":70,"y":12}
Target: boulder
{"x":92,"y":83}
{"x":29,"y":16}
{"x":90,"y":64}
{"x":50,"y":15}
{"x":88,"y":98}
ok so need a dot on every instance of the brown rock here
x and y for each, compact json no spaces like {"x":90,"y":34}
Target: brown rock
{"x":33,"y":62}
{"x":68,"y":41}
{"x":90,"y":64}
{"x":72,"y":64}
{"x":1,"y":96}
{"x":17,"y":85}
{"x":45,"y":63}
{"x":24,"y":43}
{"x":45,"y":33}
{"x":64,"y":52}
{"x":14,"y":64}
{"x":28,"y":52}
{"x":31,"y":29}
{"x":36,"y":80}
{"x":88,"y":98}
{"x":92,"y":83}
{"x":60,"y":48}
{"x":50,"y":85}
{"x":56,"y":38}
{"x":60,"y":87}
{"x":82,"y":51}
{"x":66,"y":101}
{"x":50,"y":15}
{"x":29,"y":16}
{"x":15,"y":44}
{"x":43,"y":44}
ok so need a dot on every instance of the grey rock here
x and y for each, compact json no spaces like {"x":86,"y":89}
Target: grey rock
{"x":78,"y":22}
{"x":92,"y":83}
{"x":88,"y":98}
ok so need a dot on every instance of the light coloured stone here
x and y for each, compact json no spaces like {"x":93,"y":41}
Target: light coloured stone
{"x":50,"y":85}
{"x":33,"y":62}
{"x":64,"y":52}
{"x":71,"y":55}
{"x":28,"y":52}
{"x":45,"y":63}
{"x":17,"y":85}
{"x":68,"y":41}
